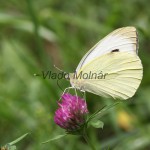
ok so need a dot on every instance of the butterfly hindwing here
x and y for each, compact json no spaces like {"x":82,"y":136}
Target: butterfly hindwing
{"x":123,"y":75}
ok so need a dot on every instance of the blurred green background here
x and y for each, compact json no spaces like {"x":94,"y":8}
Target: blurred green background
{"x":35,"y":35}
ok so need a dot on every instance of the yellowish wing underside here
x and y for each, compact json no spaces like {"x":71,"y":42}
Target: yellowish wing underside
{"x":125,"y":39}
{"x":123,"y":75}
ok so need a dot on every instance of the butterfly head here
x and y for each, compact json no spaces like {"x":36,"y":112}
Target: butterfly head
{"x":74,"y":81}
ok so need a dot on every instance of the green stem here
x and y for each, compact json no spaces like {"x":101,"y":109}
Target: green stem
{"x":40,"y":49}
{"x":85,"y":136}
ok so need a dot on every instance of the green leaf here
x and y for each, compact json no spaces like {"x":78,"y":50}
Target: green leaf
{"x":21,"y":23}
{"x":55,"y":138}
{"x":100,"y":112}
{"x":12,"y":148}
{"x":17,"y":140}
{"x":96,"y":124}
{"x":9,"y":147}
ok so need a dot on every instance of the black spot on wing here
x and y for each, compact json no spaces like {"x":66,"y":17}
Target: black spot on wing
{"x":115,"y":50}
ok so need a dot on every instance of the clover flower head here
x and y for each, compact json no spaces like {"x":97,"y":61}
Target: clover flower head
{"x":71,"y":112}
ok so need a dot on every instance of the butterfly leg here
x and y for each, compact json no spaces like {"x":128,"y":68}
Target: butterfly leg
{"x":75,"y":91}
{"x":65,"y":91}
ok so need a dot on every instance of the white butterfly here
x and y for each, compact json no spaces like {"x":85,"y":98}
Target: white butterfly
{"x":116,"y":56}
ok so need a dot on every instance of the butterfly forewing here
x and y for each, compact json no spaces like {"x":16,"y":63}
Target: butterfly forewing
{"x":123,"y":39}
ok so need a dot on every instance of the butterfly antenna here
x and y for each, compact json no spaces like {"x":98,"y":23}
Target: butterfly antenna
{"x":58,"y":68}
{"x":59,"y":85}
